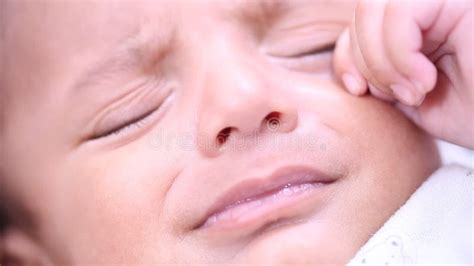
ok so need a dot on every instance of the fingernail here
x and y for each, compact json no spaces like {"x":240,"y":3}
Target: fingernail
{"x":420,"y":87}
{"x":409,"y":111}
{"x":380,"y":94}
{"x":352,"y":84}
{"x":406,"y":95}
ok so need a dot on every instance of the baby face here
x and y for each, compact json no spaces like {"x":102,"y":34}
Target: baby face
{"x":196,"y":132}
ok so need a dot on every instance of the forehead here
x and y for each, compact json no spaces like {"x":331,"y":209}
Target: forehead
{"x":76,"y":21}
{"x":72,"y":33}
{"x":80,"y":18}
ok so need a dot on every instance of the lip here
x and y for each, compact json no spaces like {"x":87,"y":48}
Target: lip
{"x":265,"y":198}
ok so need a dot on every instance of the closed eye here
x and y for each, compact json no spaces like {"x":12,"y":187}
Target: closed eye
{"x":306,"y":58}
{"x":125,"y":126}
{"x":313,"y":51}
{"x":135,"y":114}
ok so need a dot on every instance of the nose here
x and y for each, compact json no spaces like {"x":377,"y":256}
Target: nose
{"x":239,"y":102}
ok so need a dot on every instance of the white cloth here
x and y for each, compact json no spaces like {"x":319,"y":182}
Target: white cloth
{"x":433,"y":227}
{"x":454,"y":154}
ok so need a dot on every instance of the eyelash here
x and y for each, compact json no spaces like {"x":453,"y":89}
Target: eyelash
{"x":314,"y":51}
{"x":137,"y":122}
{"x":307,"y":59}
{"x":123,"y":128}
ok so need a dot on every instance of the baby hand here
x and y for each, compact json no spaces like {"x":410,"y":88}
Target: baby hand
{"x":419,"y":54}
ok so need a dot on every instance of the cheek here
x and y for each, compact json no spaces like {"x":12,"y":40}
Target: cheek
{"x":364,"y":123}
{"x":116,"y":210}
{"x":375,"y":138}
{"x":372,"y":124}
{"x":383,"y":141}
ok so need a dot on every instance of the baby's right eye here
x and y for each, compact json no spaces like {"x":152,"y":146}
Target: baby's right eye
{"x":125,"y":126}
{"x":136,"y":112}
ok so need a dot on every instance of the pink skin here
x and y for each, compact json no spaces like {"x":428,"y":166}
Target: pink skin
{"x":238,"y":103}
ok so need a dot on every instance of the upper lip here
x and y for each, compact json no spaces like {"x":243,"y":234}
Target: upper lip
{"x":256,"y":187}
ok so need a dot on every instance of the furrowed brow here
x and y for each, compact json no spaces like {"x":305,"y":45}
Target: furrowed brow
{"x":106,"y":68}
{"x":138,"y":53}
{"x":261,"y":12}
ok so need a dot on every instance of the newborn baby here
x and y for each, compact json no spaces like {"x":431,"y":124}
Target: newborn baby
{"x":192,"y":132}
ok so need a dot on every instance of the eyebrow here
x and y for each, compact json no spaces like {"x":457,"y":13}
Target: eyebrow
{"x":261,"y":12}
{"x":139,"y":51}
{"x":106,"y":67}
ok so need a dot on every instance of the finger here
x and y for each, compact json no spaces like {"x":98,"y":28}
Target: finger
{"x":411,"y":112}
{"x":368,"y":30}
{"x":443,"y":114}
{"x":404,"y":43}
{"x":433,"y":119}
{"x":380,"y":94}
{"x":374,"y":85}
{"x":345,"y":68}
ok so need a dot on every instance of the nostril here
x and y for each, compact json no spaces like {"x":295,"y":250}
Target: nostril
{"x":273,"y":121}
{"x":223,"y":135}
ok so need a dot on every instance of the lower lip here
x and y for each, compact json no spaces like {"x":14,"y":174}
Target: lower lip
{"x":266,"y":208}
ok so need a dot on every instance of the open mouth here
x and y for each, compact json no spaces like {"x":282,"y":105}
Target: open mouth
{"x":286,"y":193}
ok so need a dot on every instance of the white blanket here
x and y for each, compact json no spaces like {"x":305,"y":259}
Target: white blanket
{"x":433,"y":227}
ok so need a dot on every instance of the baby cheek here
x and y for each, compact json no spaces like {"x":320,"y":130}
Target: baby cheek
{"x":110,"y":217}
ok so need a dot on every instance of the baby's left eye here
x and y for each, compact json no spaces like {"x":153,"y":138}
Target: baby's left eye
{"x":308,"y":58}
{"x":312,"y":51}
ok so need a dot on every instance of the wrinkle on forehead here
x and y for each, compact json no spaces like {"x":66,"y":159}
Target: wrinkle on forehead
{"x":140,"y":50}
{"x":256,"y":9}
{"x":261,"y":12}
